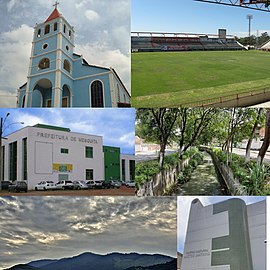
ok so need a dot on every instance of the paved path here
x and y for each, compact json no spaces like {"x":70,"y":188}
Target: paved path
{"x":203,"y":180}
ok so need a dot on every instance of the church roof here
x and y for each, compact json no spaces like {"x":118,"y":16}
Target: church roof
{"x":55,"y":14}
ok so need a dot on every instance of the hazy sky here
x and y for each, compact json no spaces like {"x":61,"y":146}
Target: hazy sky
{"x":183,"y":208}
{"x":115,"y":125}
{"x":54,"y":227}
{"x":102,"y":36}
{"x":189,"y":16}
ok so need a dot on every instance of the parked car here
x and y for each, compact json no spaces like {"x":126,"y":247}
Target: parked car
{"x":18,"y":186}
{"x":45,"y":185}
{"x":130,"y":184}
{"x":106,"y":184}
{"x":65,"y":184}
{"x":99,"y":183}
{"x":115,"y":183}
{"x":95,"y":183}
{"x":80,"y":185}
{"x":5,"y":184}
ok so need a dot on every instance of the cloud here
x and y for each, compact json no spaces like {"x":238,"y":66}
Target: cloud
{"x":15,"y":48}
{"x":128,"y":139}
{"x":91,"y":15}
{"x":97,"y":224}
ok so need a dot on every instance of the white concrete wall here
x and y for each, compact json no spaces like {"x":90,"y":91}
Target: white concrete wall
{"x":202,"y":227}
{"x":257,"y":228}
{"x":44,"y":151}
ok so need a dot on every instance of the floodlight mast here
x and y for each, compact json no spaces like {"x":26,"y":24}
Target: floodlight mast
{"x":261,"y":5}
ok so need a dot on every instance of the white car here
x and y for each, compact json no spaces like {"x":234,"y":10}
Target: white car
{"x":45,"y":185}
{"x":130,"y":184}
{"x":64,"y":184}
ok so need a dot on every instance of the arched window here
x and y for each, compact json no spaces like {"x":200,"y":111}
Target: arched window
{"x":67,"y":65}
{"x":97,"y":94}
{"x":44,"y":63}
{"x":47,"y":29}
{"x":55,"y":26}
{"x":69,"y":33}
{"x":39,"y":33}
{"x":65,"y":28}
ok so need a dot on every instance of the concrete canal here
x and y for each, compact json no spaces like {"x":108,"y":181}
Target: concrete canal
{"x":204,"y":180}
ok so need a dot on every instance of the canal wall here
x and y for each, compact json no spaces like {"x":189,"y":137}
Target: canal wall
{"x":162,"y":181}
{"x":232,"y":183}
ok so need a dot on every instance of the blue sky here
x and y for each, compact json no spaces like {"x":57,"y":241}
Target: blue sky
{"x":115,"y":125}
{"x":84,"y":224}
{"x":188,"y":16}
{"x":183,"y":208}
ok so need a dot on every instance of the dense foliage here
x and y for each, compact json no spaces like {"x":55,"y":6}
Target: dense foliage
{"x":254,"y":177}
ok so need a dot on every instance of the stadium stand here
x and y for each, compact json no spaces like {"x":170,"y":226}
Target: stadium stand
{"x":151,"y":42}
{"x":266,"y":46}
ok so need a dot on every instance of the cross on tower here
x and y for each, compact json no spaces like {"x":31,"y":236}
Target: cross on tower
{"x":56,"y":4}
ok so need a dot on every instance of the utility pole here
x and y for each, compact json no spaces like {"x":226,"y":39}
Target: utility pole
{"x":249,"y":17}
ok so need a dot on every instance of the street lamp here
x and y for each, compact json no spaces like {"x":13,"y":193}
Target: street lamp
{"x":2,"y":129}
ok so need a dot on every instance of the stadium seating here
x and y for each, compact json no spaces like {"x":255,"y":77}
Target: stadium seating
{"x":184,"y":43}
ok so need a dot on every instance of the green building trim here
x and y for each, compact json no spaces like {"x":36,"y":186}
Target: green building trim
{"x":111,"y":163}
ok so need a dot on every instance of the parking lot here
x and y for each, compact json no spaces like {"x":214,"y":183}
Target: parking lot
{"x":122,"y":191}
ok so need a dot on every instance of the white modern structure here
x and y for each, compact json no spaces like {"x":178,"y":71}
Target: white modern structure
{"x":228,"y":235}
{"x":127,"y":168}
{"x":52,"y":153}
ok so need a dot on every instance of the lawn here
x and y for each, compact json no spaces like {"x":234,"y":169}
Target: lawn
{"x":166,"y":79}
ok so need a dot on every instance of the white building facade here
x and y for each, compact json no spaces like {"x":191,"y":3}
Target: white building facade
{"x":127,"y":168}
{"x":43,"y":152}
{"x":228,"y":235}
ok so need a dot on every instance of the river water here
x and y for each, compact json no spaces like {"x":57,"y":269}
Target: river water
{"x":203,"y":181}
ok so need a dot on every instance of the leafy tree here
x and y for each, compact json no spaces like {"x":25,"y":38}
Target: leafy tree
{"x":266,"y":141}
{"x":156,"y":125}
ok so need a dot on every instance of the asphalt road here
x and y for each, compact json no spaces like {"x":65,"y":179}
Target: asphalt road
{"x":253,"y":154}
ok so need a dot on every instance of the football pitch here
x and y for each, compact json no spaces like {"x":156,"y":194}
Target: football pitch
{"x":171,"y":79}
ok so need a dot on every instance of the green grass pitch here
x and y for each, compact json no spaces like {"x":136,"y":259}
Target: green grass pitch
{"x":170,"y":79}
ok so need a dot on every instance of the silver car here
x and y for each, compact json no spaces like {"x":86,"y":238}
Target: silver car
{"x":80,"y":185}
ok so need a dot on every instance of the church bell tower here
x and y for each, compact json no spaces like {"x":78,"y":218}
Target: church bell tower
{"x":49,"y":81}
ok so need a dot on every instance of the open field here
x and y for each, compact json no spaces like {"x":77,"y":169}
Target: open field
{"x":167,"y":79}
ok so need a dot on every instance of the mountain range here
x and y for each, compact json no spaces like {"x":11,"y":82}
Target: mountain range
{"x":112,"y":261}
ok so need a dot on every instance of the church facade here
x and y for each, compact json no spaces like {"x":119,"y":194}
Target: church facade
{"x":58,"y":77}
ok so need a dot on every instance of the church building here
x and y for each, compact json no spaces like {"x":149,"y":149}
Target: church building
{"x":58,"y":77}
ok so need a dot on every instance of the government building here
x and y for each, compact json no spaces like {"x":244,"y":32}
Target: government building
{"x":42,"y":152}
{"x":58,"y":77}
{"x":228,"y":235}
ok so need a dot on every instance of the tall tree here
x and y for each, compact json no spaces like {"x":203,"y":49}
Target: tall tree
{"x":266,"y":141}
{"x":191,"y":125}
{"x":156,"y":125}
{"x":252,"y":134}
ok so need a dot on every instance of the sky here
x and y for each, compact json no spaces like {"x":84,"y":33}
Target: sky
{"x":188,"y":16}
{"x":183,"y":208}
{"x":102,"y":36}
{"x":115,"y":125}
{"x":35,"y":228}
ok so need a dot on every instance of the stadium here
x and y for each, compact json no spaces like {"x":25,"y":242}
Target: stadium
{"x":172,"y":69}
{"x":154,"y":42}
